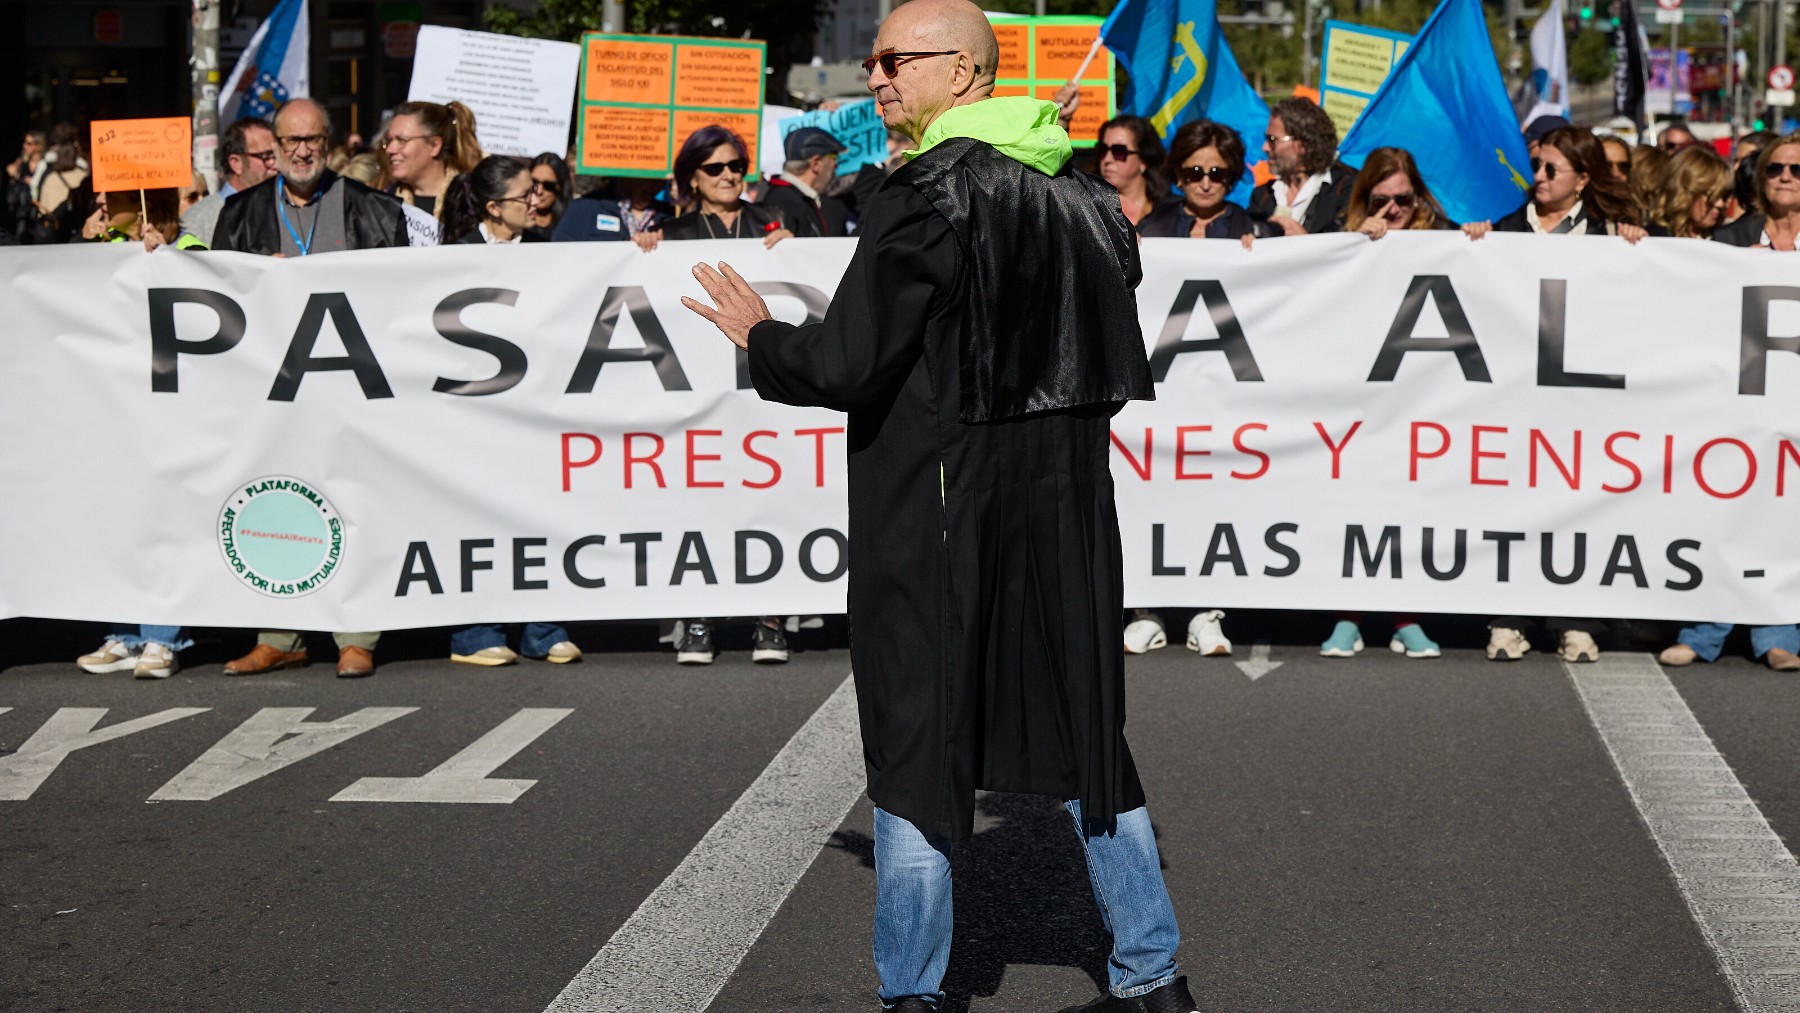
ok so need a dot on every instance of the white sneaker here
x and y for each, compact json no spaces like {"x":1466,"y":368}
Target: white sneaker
{"x":563,"y":653}
{"x":488,"y":657}
{"x":112,"y":656}
{"x":797,"y":623}
{"x":1145,"y":635}
{"x":156,"y":662}
{"x":1578,"y":645}
{"x":1506,"y":644}
{"x":1207,"y":636}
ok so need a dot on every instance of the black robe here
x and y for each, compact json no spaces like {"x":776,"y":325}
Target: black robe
{"x":986,"y":582}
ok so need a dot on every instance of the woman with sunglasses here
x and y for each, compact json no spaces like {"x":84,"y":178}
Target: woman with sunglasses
{"x":1131,"y":157}
{"x":1389,"y":195}
{"x":493,"y":203}
{"x":1774,"y":224}
{"x":1206,"y":160}
{"x":551,"y":176}
{"x":1575,"y":193}
{"x":709,"y":186}
{"x":1696,"y":188}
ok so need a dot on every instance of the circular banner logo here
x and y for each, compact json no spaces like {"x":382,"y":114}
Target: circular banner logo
{"x":281,"y":536}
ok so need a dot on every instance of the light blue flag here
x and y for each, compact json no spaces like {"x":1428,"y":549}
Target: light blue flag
{"x":1447,"y":106}
{"x":273,"y":68}
{"x":1182,"y":70}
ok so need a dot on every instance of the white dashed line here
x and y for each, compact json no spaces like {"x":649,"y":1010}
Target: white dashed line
{"x":1740,"y":882}
{"x":679,"y":947}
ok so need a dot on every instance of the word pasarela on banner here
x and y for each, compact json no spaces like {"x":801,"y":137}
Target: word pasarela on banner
{"x":1520,"y":425}
{"x":642,"y":95}
{"x":1040,"y":55}
{"x":141,"y":154}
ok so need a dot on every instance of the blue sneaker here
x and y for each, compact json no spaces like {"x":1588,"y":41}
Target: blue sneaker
{"x":1344,"y":642}
{"x":1411,"y":641}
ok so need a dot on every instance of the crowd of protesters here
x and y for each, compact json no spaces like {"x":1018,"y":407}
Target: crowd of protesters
{"x":289,"y":187}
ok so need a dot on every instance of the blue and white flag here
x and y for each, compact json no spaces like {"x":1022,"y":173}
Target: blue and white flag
{"x":1446,"y":104}
{"x":1550,"y":57}
{"x":272,"y":69}
{"x":1182,"y":70}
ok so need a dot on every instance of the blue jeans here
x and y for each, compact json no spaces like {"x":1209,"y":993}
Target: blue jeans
{"x":135,"y":637}
{"x":1708,"y":639}
{"x":913,"y":916}
{"x":536,"y":641}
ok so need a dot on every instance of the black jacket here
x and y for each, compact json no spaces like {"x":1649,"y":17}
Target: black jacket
{"x":1171,"y":220}
{"x":247,"y":222}
{"x":473,"y":237}
{"x":808,"y":220}
{"x":1597,"y":225}
{"x":754,"y":222}
{"x":1746,"y":231}
{"x":1325,"y":213}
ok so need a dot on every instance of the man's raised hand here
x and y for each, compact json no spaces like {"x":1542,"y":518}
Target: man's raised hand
{"x":736,"y":306}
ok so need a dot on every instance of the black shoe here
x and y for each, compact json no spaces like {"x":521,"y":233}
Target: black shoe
{"x":912,"y":1004}
{"x":1171,"y":998}
{"x":696,"y":644}
{"x":768,"y":645}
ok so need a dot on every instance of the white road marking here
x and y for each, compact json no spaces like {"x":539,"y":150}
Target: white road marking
{"x":463,"y":778}
{"x":3,"y":710}
{"x":273,"y":738}
{"x":1259,"y":664}
{"x":69,"y":729}
{"x":679,"y":947}
{"x":1740,"y":882}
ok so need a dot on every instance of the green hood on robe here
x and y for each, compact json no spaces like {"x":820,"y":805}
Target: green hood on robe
{"x":1023,"y":129}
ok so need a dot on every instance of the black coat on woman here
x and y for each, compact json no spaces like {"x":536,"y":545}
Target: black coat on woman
{"x":1597,"y":225}
{"x":753,"y":222}
{"x":1170,"y":219}
{"x":1747,"y":231}
{"x":981,"y":339}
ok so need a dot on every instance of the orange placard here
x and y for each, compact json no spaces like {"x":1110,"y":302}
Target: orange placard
{"x":748,"y":127}
{"x":615,"y":137}
{"x":728,"y":77}
{"x":1004,"y":90}
{"x":635,"y":72}
{"x":142,"y":154}
{"x":1088,"y":116}
{"x":1015,"y":50}
{"x":1060,"y":50}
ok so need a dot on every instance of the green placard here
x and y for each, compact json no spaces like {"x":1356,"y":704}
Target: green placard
{"x":1040,"y":55}
{"x":642,"y":95}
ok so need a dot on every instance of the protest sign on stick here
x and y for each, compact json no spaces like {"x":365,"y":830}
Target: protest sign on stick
{"x":856,"y":125}
{"x":1040,"y":55}
{"x":642,"y":95}
{"x":141,"y":154}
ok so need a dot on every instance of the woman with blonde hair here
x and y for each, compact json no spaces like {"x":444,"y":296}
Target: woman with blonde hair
{"x":1696,"y":186}
{"x":1645,"y":178}
{"x":426,"y":147}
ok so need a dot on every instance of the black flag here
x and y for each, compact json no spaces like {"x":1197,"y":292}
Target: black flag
{"x":1628,"y":63}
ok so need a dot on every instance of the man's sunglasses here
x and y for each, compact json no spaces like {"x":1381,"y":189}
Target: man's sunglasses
{"x":889,"y":62}
{"x":1549,"y":168}
{"x":1774,"y":169}
{"x":737,"y":167}
{"x":1403,"y":201}
{"x":1196,"y":173}
{"x":1119,"y":152}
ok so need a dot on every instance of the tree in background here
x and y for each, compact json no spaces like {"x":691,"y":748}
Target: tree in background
{"x":788,"y":26}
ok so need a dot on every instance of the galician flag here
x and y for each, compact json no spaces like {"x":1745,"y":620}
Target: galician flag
{"x":272,"y":69}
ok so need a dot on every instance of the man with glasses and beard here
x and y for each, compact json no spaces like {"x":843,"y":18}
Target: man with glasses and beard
{"x":302,"y":210}
{"x":306,"y":208}
{"x":1311,"y":188}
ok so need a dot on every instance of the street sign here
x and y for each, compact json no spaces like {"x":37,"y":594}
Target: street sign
{"x":1776,"y":97}
{"x":1669,"y":5}
{"x":1665,"y":16}
{"x":1781,"y":77}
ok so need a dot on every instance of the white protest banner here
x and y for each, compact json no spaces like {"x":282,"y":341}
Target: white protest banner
{"x":522,"y":91}
{"x":1570,"y":426}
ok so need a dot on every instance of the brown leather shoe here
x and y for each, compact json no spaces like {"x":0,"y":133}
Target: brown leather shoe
{"x":266,"y":659}
{"x":355,"y":662}
{"x":1782,"y":661}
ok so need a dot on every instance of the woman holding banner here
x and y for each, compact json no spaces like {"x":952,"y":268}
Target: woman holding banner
{"x":1389,"y":195}
{"x":1206,"y":160}
{"x":1775,"y":223}
{"x":1695,"y":191}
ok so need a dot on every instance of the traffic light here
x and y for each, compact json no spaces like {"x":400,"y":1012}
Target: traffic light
{"x":1756,"y":125}
{"x":1586,"y":13}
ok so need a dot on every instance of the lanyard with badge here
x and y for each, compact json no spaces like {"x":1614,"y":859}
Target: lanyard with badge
{"x":304,"y":245}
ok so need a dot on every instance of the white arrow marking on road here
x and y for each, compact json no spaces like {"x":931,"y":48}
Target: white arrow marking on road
{"x":3,"y":710}
{"x":273,"y":738}
{"x":1259,"y":664}
{"x":464,"y":777}
{"x":69,"y":729}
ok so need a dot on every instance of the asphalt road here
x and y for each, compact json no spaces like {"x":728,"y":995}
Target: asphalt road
{"x":1338,"y":835}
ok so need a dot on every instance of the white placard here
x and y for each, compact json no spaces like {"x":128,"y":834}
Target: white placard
{"x":522,"y":91}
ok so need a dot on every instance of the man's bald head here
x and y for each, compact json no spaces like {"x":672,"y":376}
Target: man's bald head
{"x":955,"y":56}
{"x":944,"y":24}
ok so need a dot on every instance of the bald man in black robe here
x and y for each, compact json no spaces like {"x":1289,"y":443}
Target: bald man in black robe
{"x":981,"y":340}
